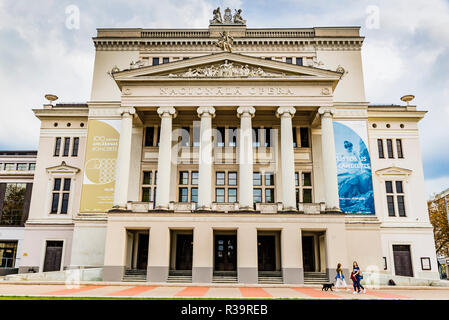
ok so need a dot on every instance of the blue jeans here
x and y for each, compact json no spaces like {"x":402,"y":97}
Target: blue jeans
{"x":358,"y":283}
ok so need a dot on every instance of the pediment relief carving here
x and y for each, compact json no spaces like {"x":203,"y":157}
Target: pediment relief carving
{"x":226,"y":70}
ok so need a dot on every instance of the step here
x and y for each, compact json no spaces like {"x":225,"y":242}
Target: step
{"x":219,"y":279}
{"x":179,"y":279}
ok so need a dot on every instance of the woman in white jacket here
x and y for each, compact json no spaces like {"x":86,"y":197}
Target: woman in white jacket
{"x":340,"y":278}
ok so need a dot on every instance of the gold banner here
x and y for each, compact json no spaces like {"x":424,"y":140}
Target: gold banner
{"x":99,"y":169}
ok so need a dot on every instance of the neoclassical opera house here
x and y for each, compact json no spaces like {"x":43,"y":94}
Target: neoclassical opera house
{"x":229,"y":154}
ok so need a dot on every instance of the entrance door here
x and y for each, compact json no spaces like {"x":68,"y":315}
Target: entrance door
{"x":308,"y":253}
{"x":184,"y":251}
{"x":225,"y":253}
{"x":402,"y":260}
{"x":53,"y":256}
{"x":266,"y":253}
{"x":142,"y":251}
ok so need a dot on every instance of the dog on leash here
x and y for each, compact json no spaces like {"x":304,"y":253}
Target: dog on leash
{"x":327,"y":286}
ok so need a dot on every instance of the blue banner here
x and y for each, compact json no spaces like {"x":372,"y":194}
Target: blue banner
{"x":355,"y":186}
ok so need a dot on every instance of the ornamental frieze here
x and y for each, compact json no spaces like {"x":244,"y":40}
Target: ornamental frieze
{"x":226,"y":70}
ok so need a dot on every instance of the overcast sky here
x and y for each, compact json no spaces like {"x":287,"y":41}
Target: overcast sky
{"x":406,"y":51}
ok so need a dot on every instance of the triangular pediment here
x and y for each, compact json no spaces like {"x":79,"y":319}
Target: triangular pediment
{"x":226,"y":66}
{"x":63,"y":168}
{"x":394,"y":171}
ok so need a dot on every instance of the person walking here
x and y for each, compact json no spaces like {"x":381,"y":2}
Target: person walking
{"x":340,"y":278}
{"x":357,"y":276}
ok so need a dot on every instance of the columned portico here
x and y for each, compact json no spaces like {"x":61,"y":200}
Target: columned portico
{"x":123,"y":158}
{"x":329,"y":161}
{"x":287,"y":158}
{"x":205,"y":158}
{"x":246,"y":157}
{"x":164,"y":160}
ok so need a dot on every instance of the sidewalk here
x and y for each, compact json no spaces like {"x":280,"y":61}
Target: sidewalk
{"x":145,"y":290}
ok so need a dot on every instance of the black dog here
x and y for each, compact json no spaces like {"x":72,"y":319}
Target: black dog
{"x":327,"y":286}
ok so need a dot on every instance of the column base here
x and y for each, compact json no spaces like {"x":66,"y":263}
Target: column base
{"x":288,"y":210}
{"x":119,"y":209}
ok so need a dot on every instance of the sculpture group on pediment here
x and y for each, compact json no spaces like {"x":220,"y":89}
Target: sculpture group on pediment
{"x":226,"y":70}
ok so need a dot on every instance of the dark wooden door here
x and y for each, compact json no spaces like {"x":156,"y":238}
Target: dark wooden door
{"x":266,"y":253}
{"x":225,"y":253}
{"x":184,"y":251}
{"x":53,"y":256}
{"x":402,"y":260}
{"x":308,"y":253}
{"x":142,"y":252}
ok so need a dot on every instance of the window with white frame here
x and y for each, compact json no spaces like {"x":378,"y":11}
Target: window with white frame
{"x":188,"y":186}
{"x":60,"y":195}
{"x":66,"y":144}
{"x":303,"y":182}
{"x":226,"y":186}
{"x":263,"y":187}
{"x":149,"y":182}
{"x":395,"y":198}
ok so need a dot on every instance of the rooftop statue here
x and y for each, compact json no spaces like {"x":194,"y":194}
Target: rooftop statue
{"x":228,"y":18}
{"x":225,"y":42}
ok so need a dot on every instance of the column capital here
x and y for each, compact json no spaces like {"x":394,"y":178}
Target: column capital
{"x":285,"y":112}
{"x":246,"y":112}
{"x":206,"y":111}
{"x":167,"y":112}
{"x":326,"y":111}
{"x":126,"y":110}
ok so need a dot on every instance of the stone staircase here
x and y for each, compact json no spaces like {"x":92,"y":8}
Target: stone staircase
{"x":271,"y":278}
{"x":179,"y":276}
{"x":315,"y":278}
{"x":135,"y":275}
{"x":225,"y":279}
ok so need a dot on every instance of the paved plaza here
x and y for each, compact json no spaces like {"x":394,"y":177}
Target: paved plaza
{"x":182,"y":291}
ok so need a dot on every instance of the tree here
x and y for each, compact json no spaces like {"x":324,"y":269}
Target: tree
{"x":438,"y":218}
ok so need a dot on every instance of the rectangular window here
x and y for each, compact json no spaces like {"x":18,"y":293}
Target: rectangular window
{"x":267,"y":58}
{"x":146,"y":194}
{"x":165,"y":60}
{"x":194,"y":195}
{"x":295,"y":138}
{"x":269,"y":179}
{"x":32,"y":167}
{"x":256,"y":137}
{"x":55,"y":203}
{"x":299,"y":61}
{"x":10,"y":166}
{"x":232,"y":139}
{"x":149,"y":136}
{"x":297,"y":196}
{"x":399,"y":148}
{"x":220,"y":179}
{"x":257,"y":179}
{"x":196,"y":135}
{"x":296,"y":179}
{"x":390,"y":202}
{"x":307,"y":195}
{"x":183,"y":194}
{"x":8,"y":252}
{"x":13,"y":204}
{"x":399,"y":187}
{"x":57,"y":185}
{"x":232,"y":178}
{"x":65,"y":203}
{"x":147,"y":177}
{"x":289,"y":60}
{"x":390,"y":148}
{"x":269,"y":195}
{"x":67,"y":183}
{"x":304,"y":132}
{"x":195,"y":178}
{"x":155,"y":61}
{"x":57,"y":147}
{"x":306,"y":179}
{"x":401,"y":206}
{"x":232,"y":195}
{"x":220,"y":195}
{"x":389,"y":186}
{"x":268,"y":135}
{"x":257,"y":195}
{"x":22,"y":167}
{"x":220,"y":137}
{"x":185,"y":136}
{"x":66,"y":147}
{"x":184,"y":177}
{"x":380,"y":148}
{"x":76,"y":143}
{"x":158,"y":136}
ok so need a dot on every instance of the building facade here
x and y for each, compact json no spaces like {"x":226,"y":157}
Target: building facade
{"x":16,"y":184}
{"x":229,"y":154}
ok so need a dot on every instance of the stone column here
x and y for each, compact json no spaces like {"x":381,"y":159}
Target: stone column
{"x":287,"y":158}
{"x":164,"y":160}
{"x":205,"y":158}
{"x":246,"y":157}
{"x":329,"y":160}
{"x":123,"y":159}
